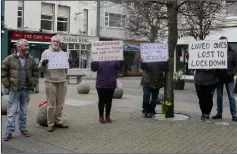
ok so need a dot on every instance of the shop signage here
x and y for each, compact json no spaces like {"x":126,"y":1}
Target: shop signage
{"x":130,"y":47}
{"x":74,"y":39}
{"x":31,"y":36}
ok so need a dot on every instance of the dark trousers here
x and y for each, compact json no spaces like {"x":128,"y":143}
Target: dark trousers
{"x":105,"y":100}
{"x":150,"y":96}
{"x":205,"y":95}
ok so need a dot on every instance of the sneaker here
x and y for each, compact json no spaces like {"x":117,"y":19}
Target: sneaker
{"x":25,"y":133}
{"x":7,"y":137}
{"x":102,"y":120}
{"x":50,"y":128}
{"x":202,"y":118}
{"x":107,"y":119}
{"x":207,"y":119}
{"x":217,"y":116}
{"x":234,"y":118}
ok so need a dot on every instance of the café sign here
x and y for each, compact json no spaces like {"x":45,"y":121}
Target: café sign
{"x":31,"y":36}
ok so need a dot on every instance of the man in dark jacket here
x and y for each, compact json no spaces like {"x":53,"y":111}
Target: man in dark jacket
{"x":152,"y":80}
{"x":19,"y":75}
{"x":227,"y":78}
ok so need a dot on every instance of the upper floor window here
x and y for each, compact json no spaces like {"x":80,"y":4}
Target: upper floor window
{"x":85,"y":21}
{"x":114,"y":20}
{"x":20,"y":14}
{"x":47,"y":16}
{"x":63,"y":18}
{"x":231,"y":9}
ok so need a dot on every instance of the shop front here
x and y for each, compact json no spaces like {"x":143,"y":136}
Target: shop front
{"x":38,"y":42}
{"x":132,"y":58}
{"x":79,"y":49}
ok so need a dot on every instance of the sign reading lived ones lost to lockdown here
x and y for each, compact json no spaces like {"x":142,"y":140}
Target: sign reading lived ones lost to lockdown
{"x":58,"y":60}
{"x":154,"y":52}
{"x":208,"y":54}
{"x":107,"y":50}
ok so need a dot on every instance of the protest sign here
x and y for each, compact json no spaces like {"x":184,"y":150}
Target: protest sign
{"x":58,"y":60}
{"x":208,"y":54}
{"x":107,"y":50}
{"x":154,"y":52}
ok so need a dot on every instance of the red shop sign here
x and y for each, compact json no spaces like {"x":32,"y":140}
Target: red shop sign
{"x":31,"y":36}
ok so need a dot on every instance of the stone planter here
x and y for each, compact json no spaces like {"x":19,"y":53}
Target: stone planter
{"x":118,"y":93}
{"x":42,"y":114}
{"x":83,"y":88}
{"x":179,"y":85}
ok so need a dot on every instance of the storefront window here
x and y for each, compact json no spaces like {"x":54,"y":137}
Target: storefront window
{"x":79,"y":54}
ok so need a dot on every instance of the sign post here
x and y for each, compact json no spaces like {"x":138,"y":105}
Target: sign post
{"x":208,"y":54}
{"x":107,"y":50}
{"x":154,"y":52}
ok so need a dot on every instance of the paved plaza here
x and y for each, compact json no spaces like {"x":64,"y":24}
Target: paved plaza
{"x":129,"y":131}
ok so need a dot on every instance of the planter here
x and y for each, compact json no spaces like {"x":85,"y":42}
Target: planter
{"x":179,"y":85}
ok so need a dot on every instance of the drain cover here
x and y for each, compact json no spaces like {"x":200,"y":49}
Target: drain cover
{"x":177,"y":117}
{"x":124,"y":109}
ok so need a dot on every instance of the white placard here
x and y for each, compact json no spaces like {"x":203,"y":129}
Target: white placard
{"x":208,"y":54}
{"x":107,"y":50}
{"x":154,"y":52}
{"x":58,"y":60}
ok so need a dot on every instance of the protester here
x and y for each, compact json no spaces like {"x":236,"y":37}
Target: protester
{"x":107,"y":72}
{"x":19,"y":75}
{"x":205,"y":83}
{"x":152,"y":80}
{"x":56,"y":87}
{"x":227,"y":79}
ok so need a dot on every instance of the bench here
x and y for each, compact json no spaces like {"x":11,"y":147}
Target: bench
{"x":77,"y":76}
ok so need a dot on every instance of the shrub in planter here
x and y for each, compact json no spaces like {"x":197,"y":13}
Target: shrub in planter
{"x":178,"y":82}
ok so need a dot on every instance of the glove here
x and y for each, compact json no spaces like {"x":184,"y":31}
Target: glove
{"x":45,"y":62}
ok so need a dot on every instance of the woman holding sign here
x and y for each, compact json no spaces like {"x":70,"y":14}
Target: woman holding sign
{"x":106,"y":82}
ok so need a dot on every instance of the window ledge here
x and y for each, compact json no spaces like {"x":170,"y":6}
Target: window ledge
{"x":120,"y":28}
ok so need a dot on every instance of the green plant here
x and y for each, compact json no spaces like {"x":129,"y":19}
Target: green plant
{"x":164,"y":106}
{"x":177,"y":75}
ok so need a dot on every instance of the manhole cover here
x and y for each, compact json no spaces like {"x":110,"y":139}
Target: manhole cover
{"x":177,"y":117}
{"x":124,"y":109}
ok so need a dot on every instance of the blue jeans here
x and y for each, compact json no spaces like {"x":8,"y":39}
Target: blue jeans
{"x":230,"y":91}
{"x":21,"y":97}
{"x":150,"y":96}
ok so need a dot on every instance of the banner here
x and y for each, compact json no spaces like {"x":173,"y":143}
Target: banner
{"x":58,"y":60}
{"x":107,"y":50}
{"x":154,"y":52}
{"x":208,"y":54}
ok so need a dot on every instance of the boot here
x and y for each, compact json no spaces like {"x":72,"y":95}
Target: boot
{"x":108,"y":120}
{"x":101,"y":120}
{"x":217,"y":116}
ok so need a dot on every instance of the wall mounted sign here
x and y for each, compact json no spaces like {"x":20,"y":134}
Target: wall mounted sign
{"x":31,"y":36}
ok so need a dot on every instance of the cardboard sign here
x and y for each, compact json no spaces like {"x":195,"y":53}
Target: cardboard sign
{"x":208,"y":54}
{"x":58,"y":60}
{"x":154,"y":52}
{"x":107,"y":50}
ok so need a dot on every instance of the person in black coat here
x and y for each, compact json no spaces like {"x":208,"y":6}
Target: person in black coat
{"x":226,"y":77}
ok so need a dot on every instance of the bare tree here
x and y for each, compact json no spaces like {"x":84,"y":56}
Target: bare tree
{"x":200,"y":17}
{"x":145,"y":19}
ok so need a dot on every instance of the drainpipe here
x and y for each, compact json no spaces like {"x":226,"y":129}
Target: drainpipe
{"x":98,"y":19}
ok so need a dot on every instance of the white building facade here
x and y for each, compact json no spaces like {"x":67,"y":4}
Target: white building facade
{"x":73,"y":21}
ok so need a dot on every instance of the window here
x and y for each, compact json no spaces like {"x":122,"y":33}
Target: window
{"x":63,"y":18}
{"x":79,"y":54}
{"x":231,"y":10}
{"x":114,"y":20}
{"x":47,"y":16}
{"x":20,"y":14}
{"x":85,"y":21}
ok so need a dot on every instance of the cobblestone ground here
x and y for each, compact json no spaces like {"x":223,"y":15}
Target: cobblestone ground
{"x":129,"y":132}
